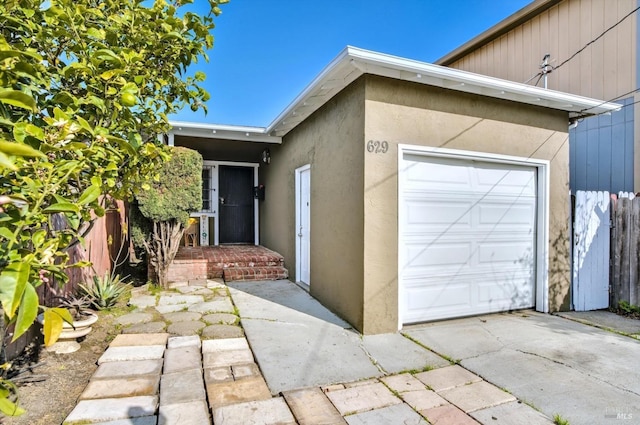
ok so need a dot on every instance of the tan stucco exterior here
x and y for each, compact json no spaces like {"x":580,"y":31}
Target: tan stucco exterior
{"x":354,"y":196}
{"x":404,"y":113}
{"x":331,"y":142}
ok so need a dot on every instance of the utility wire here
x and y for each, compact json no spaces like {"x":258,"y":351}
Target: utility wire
{"x":539,"y":78}
{"x":532,"y":77}
{"x":598,"y":37}
{"x":611,"y":100}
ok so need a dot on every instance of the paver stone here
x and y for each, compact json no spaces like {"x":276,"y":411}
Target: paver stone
{"x":122,"y":387}
{"x":403,"y":382}
{"x":362,"y":398}
{"x":447,"y":377}
{"x":192,"y":413}
{"x":124,"y":369}
{"x":232,"y":392}
{"x":478,"y":395}
{"x":145,"y":352}
{"x":227,"y":358}
{"x":267,"y":412}
{"x":211,"y":346}
{"x":182,"y":358}
{"x":125,"y":340}
{"x":181,"y":387}
{"x":447,"y":415}
{"x":109,"y":409}
{"x":423,"y":399}
{"x":310,"y":406}
{"x":396,"y":414}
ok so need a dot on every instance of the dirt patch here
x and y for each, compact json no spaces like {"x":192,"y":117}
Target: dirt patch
{"x":50,"y":401}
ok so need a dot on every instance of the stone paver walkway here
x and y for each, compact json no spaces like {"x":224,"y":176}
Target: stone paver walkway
{"x":182,"y":359}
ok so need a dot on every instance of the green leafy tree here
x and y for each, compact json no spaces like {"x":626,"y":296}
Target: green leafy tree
{"x":162,"y":213}
{"x":85,"y":88}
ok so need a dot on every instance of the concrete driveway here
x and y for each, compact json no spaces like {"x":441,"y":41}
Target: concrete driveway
{"x":587,"y":375}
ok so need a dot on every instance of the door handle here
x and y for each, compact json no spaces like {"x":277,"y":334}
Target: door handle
{"x":221,"y":200}
{"x":300,"y":234}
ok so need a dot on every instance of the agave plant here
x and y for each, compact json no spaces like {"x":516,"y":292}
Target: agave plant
{"x":105,"y":291}
{"x":77,"y":306}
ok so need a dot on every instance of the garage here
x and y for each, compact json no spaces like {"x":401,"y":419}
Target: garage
{"x":467,"y":234}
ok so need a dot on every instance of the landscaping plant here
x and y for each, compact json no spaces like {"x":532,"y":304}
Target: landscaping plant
{"x":105,"y":291}
{"x":161,"y":214}
{"x":85,"y":88}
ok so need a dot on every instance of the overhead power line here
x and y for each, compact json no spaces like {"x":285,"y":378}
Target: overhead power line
{"x":597,"y":38}
{"x":611,"y":100}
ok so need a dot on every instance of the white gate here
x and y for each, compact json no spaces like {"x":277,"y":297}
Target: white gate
{"x":591,"y":240}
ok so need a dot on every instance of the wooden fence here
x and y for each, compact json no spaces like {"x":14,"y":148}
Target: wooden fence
{"x":100,"y":246}
{"x":625,"y":247}
{"x":606,"y":243}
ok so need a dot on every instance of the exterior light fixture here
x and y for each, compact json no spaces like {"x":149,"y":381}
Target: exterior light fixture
{"x":266,"y":156}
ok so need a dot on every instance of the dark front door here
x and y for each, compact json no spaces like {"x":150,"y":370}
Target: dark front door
{"x":236,"y":204}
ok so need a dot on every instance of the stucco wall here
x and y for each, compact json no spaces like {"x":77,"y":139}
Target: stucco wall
{"x":407,"y":113}
{"x":331,"y":141}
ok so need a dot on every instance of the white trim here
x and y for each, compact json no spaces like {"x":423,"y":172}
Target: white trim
{"x":353,"y":62}
{"x":225,"y":132}
{"x":297,"y":201}
{"x":542,"y":212}
{"x":215,"y":187}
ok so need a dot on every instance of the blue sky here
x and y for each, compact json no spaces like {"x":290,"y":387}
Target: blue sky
{"x":267,"y":51}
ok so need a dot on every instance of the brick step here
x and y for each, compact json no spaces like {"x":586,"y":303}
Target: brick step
{"x":249,"y":263}
{"x":255,"y":273}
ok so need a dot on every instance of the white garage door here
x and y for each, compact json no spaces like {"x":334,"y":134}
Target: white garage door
{"x":467,"y":237}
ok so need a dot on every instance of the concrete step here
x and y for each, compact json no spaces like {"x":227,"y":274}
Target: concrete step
{"x":255,"y":273}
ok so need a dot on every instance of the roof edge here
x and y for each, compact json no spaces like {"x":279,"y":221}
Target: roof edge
{"x":223,"y":131}
{"x":526,"y":13}
{"x":309,"y":88}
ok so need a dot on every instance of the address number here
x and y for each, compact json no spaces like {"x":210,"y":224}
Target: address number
{"x":375,"y":146}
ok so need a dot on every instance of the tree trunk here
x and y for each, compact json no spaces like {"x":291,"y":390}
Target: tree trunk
{"x":163,"y":247}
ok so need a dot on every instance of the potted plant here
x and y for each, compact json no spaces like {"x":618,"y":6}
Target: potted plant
{"x":83,"y":319}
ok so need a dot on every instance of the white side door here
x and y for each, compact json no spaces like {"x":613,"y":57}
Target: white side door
{"x":303,"y":224}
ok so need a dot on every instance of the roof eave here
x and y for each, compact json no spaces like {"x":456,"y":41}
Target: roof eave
{"x":221,"y":131}
{"x":353,"y":62}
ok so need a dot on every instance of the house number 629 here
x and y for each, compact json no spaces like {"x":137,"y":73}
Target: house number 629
{"x":375,"y":146}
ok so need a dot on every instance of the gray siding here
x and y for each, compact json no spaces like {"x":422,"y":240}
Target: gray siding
{"x":601,"y":152}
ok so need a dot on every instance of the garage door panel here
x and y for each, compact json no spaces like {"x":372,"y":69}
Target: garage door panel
{"x":506,"y":181}
{"x":441,"y":175}
{"x":437,"y":255}
{"x":467,"y":237}
{"x":432,"y":213}
{"x":439,"y":298}
{"x":508,"y":295}
{"x":417,"y":278}
{"x":515,"y":213}
{"x":500,"y":252}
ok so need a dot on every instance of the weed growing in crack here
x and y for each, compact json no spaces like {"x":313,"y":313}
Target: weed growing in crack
{"x":559,"y":420}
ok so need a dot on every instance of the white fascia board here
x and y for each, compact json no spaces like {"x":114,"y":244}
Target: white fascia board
{"x":353,"y":62}
{"x":481,"y":84}
{"x":220,"y":131}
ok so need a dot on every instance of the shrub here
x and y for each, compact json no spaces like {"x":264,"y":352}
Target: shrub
{"x":161,"y":213}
